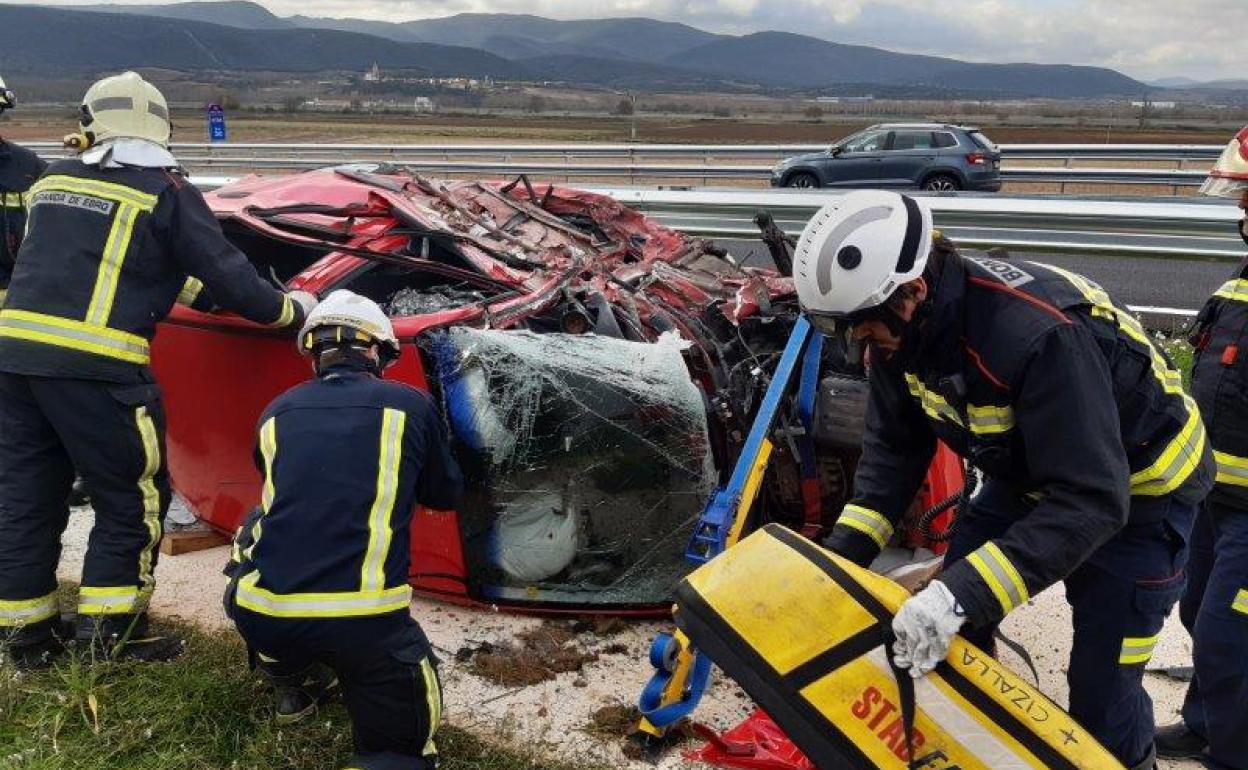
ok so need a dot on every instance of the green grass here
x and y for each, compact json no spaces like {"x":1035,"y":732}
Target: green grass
{"x":204,"y":711}
{"x":1180,"y":351}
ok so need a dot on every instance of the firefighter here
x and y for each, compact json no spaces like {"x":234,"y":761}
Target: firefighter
{"x":1214,"y":608}
{"x":1094,"y":458}
{"x":112,"y":236}
{"x":19,"y":168}
{"x":319,"y":578}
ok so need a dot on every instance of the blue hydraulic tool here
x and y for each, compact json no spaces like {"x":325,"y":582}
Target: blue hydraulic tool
{"x":682,"y":673}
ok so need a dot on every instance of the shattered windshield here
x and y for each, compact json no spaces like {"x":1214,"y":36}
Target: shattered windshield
{"x":587,"y":460}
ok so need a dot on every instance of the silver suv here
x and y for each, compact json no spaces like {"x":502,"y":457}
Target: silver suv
{"x":925,"y":156}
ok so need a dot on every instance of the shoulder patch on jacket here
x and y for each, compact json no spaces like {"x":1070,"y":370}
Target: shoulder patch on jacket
{"x":1006,"y":272}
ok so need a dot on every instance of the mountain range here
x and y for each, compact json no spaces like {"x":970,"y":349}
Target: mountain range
{"x":236,"y":35}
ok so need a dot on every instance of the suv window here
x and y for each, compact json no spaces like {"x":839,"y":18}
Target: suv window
{"x":912,"y":140}
{"x":983,"y":141}
{"x":870,"y":141}
{"x":945,"y":139}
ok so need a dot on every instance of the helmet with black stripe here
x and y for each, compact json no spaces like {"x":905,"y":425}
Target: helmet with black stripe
{"x":346,"y":323}
{"x":858,"y":250}
{"x":123,"y":105}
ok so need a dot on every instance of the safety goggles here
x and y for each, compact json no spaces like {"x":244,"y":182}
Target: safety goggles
{"x":840,"y":324}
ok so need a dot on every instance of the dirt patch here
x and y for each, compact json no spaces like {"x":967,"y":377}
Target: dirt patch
{"x":600,"y":627}
{"x":616,"y":721}
{"x":537,"y":655}
{"x":619,"y":722}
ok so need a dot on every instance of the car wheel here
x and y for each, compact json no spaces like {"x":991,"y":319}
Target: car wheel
{"x":802,"y":180}
{"x":941,"y":183}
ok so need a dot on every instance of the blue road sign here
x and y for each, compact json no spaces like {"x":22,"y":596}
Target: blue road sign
{"x":216,"y":123}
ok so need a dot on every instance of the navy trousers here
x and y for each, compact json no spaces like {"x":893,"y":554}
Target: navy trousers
{"x":1215,"y":611}
{"x":1119,"y":598}
{"x":386,"y":669}
{"x":113,"y":434}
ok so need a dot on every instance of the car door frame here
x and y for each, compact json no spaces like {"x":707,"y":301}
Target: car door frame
{"x":867,"y":161}
{"x":906,"y":168}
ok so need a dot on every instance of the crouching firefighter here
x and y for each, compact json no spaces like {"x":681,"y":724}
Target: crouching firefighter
{"x":319,"y":577}
{"x":112,"y":236}
{"x":1214,"y":607}
{"x":1094,"y":458}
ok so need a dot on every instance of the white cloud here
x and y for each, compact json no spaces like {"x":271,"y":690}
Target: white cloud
{"x":1144,"y":38}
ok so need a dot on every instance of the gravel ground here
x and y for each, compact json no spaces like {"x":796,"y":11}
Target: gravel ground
{"x":555,"y":715}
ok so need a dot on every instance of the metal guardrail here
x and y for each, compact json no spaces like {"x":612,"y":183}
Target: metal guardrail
{"x":636,"y":163}
{"x":1191,"y":229}
{"x":378,"y":152}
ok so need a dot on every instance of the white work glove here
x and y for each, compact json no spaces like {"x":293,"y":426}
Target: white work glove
{"x":306,"y":300}
{"x":925,"y":626}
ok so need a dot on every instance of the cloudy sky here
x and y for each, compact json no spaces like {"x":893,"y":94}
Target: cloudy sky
{"x":1203,"y":39}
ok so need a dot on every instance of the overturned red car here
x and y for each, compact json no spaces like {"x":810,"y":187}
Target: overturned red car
{"x":597,"y":372}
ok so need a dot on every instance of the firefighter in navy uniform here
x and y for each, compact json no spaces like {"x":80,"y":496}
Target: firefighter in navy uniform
{"x":111,"y":237}
{"x":319,"y":576}
{"x":19,"y":168}
{"x":1094,"y":458}
{"x":1214,"y":607}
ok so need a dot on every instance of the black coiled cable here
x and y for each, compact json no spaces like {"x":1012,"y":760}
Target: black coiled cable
{"x":960,"y":499}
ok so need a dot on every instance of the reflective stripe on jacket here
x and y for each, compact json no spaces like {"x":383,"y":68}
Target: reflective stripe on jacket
{"x":344,"y":458}
{"x":106,"y":254}
{"x":1220,"y":385}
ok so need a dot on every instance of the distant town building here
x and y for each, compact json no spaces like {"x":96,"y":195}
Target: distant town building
{"x":424,"y":104}
{"x":1155,"y":105}
{"x":843,"y":99}
{"x":373,"y":75}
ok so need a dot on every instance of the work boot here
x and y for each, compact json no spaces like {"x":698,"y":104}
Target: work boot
{"x":1178,"y":741}
{"x":297,"y":696}
{"x":126,"y":637}
{"x":36,"y":656}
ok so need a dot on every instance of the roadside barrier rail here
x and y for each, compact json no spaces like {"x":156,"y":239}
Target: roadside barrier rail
{"x":639,"y":163}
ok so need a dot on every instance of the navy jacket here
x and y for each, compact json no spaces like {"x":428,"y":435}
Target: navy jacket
{"x":106,"y":254}
{"x":19,"y":168}
{"x":1220,"y":385}
{"x":1032,"y":372}
{"x":345,"y":459}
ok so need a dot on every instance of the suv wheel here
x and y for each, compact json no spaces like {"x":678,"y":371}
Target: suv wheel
{"x":941,"y":183}
{"x":802,"y":180}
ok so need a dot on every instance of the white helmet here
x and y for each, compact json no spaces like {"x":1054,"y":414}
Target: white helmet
{"x":8,"y":100}
{"x":1229,"y":176}
{"x":123,"y":105}
{"x":345,"y":317}
{"x":857,"y":250}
